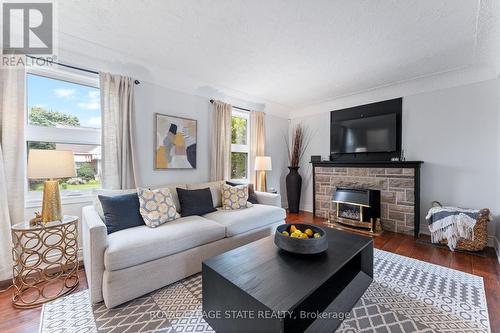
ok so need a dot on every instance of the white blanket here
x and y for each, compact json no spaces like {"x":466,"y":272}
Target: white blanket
{"x":451,"y":223}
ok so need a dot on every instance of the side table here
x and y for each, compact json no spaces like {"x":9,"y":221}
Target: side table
{"x":45,"y":261}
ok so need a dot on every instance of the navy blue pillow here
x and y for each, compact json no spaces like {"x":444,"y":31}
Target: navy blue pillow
{"x":121,"y":212}
{"x":195,"y":202}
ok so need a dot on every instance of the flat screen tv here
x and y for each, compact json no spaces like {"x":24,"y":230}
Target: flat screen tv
{"x":367,"y":132}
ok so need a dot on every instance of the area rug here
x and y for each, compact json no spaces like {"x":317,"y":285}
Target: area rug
{"x":407,"y":295}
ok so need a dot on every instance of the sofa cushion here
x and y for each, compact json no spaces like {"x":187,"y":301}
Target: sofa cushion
{"x":243,"y":220}
{"x":173,"y":191}
{"x":195,"y":202}
{"x":121,"y":212}
{"x":214,"y":189}
{"x":252,"y":197}
{"x":235,"y":197}
{"x":157,"y":206}
{"x":107,"y":193}
{"x":130,"y":247}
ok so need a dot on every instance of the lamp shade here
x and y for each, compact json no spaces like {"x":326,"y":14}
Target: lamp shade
{"x":263,"y":163}
{"x":48,"y":164}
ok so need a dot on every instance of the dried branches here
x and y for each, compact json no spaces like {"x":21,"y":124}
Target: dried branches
{"x":300,"y":141}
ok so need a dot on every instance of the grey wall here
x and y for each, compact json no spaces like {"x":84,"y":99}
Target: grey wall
{"x":151,"y":99}
{"x":455,"y":132}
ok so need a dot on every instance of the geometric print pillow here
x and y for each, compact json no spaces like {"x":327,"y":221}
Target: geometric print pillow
{"x":156,"y":206}
{"x":235,"y":197}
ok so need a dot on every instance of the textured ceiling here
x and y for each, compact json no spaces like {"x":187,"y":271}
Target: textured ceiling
{"x":291,"y":52}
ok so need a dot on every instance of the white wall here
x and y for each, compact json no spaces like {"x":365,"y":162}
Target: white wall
{"x":454,"y":131}
{"x":276,"y":134}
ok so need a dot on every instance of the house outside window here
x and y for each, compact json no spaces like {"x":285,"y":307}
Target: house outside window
{"x":64,"y":113}
{"x":240,"y":141}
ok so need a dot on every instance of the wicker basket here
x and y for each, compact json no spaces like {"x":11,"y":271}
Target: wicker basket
{"x":480,"y":234}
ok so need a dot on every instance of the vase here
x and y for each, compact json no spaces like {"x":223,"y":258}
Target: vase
{"x":293,"y":188}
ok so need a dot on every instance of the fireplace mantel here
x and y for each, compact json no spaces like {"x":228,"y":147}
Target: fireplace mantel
{"x":370,"y":164}
{"x":399,"y":183}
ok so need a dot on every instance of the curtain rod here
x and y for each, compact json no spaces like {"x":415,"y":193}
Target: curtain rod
{"x":72,"y":67}
{"x":235,"y":107}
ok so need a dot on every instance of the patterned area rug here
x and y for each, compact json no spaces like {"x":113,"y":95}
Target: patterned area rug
{"x":407,"y":295}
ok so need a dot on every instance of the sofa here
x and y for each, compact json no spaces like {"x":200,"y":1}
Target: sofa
{"x":132,"y":262}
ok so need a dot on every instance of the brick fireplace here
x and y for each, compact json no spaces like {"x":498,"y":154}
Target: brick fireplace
{"x":398,"y":183}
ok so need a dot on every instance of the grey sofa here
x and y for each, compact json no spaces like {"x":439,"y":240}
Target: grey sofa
{"x":132,"y":262}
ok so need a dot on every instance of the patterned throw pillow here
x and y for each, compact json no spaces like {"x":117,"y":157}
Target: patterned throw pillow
{"x":235,"y":197}
{"x":156,"y":206}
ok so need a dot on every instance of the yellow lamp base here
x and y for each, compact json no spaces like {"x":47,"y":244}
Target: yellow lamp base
{"x":51,"y":205}
{"x":261,"y":181}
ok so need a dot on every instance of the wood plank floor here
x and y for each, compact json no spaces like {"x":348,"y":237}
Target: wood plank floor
{"x":27,"y":321}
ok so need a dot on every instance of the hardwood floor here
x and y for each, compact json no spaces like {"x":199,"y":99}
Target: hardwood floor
{"x":27,"y":321}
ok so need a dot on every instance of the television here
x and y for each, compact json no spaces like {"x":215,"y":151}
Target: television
{"x":367,"y":132}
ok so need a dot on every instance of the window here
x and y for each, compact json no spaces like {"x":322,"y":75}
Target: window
{"x":240,"y":138}
{"x":64,"y":113}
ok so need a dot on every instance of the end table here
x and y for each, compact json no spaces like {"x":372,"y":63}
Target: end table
{"x":45,"y":261}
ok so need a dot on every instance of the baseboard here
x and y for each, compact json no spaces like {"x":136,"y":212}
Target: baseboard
{"x":307,"y":208}
{"x":497,"y":248}
{"x":491,"y":241}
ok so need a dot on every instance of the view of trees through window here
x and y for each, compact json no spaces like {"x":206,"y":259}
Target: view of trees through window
{"x":239,"y":147}
{"x":60,"y":104}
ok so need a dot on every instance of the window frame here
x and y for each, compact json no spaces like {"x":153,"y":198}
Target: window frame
{"x":69,"y":135}
{"x":237,"y":148}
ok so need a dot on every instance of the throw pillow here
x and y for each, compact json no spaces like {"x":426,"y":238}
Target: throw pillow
{"x":195,"y":202}
{"x":235,"y":197}
{"x":252,"y":197}
{"x":156,"y":206}
{"x":108,"y":193}
{"x":121,"y":212}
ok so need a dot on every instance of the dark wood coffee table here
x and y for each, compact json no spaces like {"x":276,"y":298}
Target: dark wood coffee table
{"x":260,"y":288}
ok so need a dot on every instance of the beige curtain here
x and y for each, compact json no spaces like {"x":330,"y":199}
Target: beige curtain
{"x":220,"y":166}
{"x":257,"y":141}
{"x":12,"y":159}
{"x":118,"y":155}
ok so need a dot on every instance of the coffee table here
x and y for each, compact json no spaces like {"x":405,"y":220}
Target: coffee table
{"x":260,"y":288}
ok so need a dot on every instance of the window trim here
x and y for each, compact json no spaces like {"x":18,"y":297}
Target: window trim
{"x":238,"y":148}
{"x":63,"y":135}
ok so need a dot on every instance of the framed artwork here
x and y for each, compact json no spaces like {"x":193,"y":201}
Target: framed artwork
{"x":175,"y":142}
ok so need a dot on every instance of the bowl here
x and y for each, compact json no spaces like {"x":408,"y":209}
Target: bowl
{"x":301,"y":245}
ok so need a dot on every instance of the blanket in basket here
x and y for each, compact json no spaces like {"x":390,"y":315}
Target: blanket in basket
{"x":451,"y":223}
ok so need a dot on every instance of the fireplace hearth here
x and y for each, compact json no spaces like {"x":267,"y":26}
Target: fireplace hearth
{"x":358,"y":208}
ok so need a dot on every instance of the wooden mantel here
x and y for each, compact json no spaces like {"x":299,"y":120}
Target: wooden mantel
{"x":399,"y":183}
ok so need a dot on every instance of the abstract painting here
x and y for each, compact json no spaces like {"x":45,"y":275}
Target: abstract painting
{"x":175,"y":142}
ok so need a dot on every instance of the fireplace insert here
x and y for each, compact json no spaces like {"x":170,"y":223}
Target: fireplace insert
{"x":358,"y":208}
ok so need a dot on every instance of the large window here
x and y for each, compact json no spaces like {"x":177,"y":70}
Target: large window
{"x":64,"y":113}
{"x":240,"y":135}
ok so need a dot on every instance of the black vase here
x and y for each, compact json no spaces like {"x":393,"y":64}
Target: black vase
{"x":293,"y":187}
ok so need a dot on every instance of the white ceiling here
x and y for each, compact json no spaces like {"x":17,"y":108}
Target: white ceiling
{"x":291,"y":52}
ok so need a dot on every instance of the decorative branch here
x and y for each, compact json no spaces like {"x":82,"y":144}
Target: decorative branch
{"x":301,"y":138}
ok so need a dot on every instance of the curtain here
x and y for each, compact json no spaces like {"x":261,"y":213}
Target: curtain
{"x":220,"y":166}
{"x":118,"y":155}
{"x":257,"y":141}
{"x":12,"y":159}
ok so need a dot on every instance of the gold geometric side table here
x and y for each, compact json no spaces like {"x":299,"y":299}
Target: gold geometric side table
{"x":45,"y":261}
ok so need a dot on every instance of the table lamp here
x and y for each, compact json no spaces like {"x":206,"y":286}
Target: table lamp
{"x":51,"y":165}
{"x":262,"y":164}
